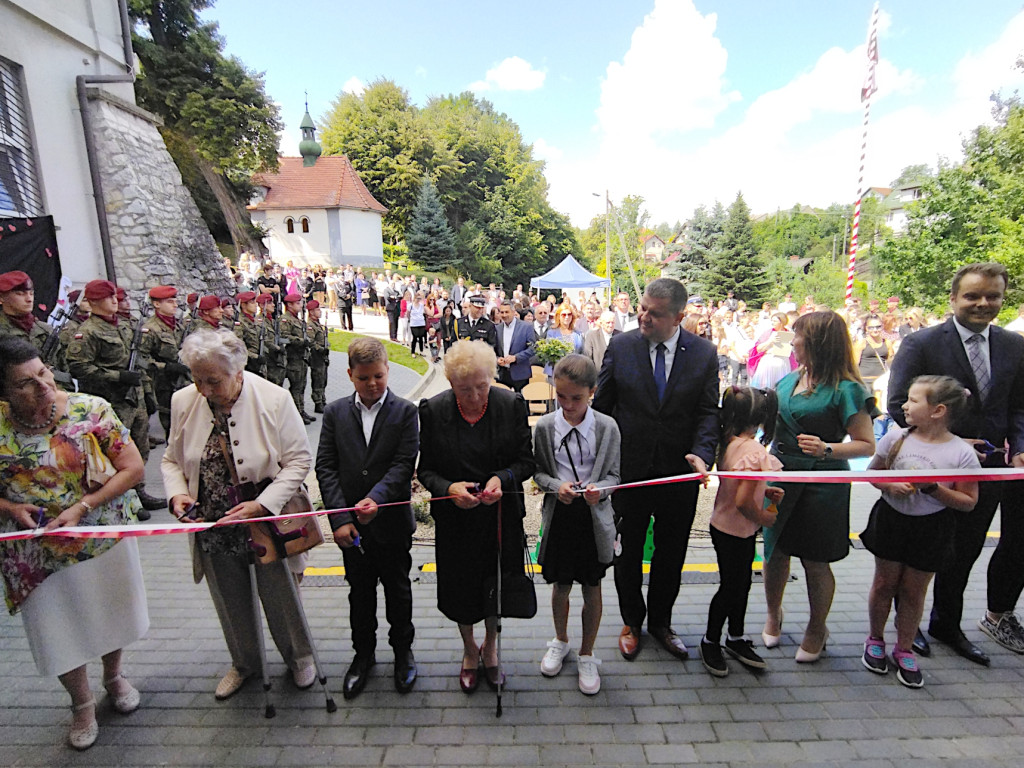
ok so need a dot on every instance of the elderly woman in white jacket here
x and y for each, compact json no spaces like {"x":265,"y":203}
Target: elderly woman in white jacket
{"x":234,"y":416}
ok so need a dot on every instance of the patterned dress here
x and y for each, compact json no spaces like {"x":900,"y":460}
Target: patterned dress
{"x":48,"y":471}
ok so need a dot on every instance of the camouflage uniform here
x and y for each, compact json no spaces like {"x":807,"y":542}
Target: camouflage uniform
{"x":295,"y":369}
{"x":37,"y":336}
{"x":319,"y":359}
{"x":200,"y":324}
{"x":97,"y":357}
{"x":276,"y":361}
{"x":249,"y":332}
{"x":159,"y":351}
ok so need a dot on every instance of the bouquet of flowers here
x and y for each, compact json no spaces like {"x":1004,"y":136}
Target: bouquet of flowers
{"x":550,"y":351}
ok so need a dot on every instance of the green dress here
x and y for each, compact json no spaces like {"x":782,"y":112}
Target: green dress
{"x":814,"y":518}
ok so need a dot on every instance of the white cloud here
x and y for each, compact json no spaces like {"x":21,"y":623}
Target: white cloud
{"x":798,"y":143}
{"x":512,"y":74}
{"x":544,"y":151}
{"x":354,"y":86}
{"x":421,"y":71}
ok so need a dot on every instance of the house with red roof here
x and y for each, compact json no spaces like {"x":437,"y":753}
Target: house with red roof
{"x":316,"y":210}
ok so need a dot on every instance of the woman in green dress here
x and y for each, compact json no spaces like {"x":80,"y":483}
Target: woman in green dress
{"x":820,"y":404}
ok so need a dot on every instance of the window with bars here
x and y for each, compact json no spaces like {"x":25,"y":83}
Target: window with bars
{"x":19,"y":186}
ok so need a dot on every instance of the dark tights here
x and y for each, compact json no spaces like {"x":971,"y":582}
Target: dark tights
{"x":735,"y":557}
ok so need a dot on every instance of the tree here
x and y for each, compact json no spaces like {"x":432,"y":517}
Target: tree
{"x":702,"y":234}
{"x":431,"y":241}
{"x":212,"y":106}
{"x":970,"y":212}
{"x":912,"y":174}
{"x":734,"y":263}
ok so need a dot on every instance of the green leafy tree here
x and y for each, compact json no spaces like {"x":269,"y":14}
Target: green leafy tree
{"x":734,"y":264}
{"x":431,"y":241}
{"x":970,"y":212}
{"x":912,"y":174}
{"x":213,"y":107}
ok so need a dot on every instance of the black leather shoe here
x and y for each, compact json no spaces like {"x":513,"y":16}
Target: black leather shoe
{"x":150,"y":502}
{"x":958,"y":642}
{"x":921,"y":645}
{"x":669,"y":640}
{"x":357,"y":675}
{"x":405,"y":671}
{"x":318,"y":408}
{"x":306,"y":418}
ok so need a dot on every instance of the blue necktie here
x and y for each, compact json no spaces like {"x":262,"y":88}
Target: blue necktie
{"x":660,"y":380}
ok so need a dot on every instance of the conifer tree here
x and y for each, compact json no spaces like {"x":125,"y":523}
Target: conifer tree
{"x":734,"y":264}
{"x":431,"y":241}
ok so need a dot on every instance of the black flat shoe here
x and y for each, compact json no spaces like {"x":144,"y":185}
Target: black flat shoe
{"x":405,"y":671}
{"x":921,"y":644}
{"x":357,"y":675}
{"x":957,"y":641}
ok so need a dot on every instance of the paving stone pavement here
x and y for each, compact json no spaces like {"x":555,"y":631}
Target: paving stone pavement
{"x":652,"y":711}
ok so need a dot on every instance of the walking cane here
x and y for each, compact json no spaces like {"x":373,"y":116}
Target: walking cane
{"x":501,"y":675}
{"x":257,"y":549}
{"x":268,"y":708}
{"x":331,"y":706}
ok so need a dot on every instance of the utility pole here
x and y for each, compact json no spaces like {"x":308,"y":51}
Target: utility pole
{"x":608,"y":245}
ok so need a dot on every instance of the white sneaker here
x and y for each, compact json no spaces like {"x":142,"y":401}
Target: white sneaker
{"x":551,"y":664}
{"x":304,"y":677}
{"x":590,"y":680}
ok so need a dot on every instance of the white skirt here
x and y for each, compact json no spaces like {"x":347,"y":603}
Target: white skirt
{"x":87,"y":610}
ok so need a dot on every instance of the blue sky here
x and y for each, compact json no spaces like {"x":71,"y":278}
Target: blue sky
{"x":680,"y":101}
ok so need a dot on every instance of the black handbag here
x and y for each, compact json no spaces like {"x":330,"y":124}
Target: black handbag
{"x":518,"y":593}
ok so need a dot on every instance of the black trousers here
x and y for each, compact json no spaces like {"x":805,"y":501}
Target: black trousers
{"x":673,"y":507}
{"x":345,"y":310}
{"x":1006,"y":568}
{"x":389,"y":564}
{"x":419,"y":338}
{"x":735,"y":557}
{"x":393,"y":323}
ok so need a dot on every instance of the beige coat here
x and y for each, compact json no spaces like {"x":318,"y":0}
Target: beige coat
{"x":267,"y":437}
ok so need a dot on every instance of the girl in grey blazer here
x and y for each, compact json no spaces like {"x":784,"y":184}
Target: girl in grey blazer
{"x":577,"y":454}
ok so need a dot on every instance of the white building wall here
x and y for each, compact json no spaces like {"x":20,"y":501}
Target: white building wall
{"x":304,"y":249}
{"x":362,"y":240}
{"x":54,"y":42}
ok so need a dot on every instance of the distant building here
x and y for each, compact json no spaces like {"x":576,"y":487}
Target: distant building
{"x":897,"y":202}
{"x":316,"y":210}
{"x":653,"y":247}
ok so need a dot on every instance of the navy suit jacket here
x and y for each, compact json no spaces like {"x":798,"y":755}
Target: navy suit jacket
{"x":657,"y":436}
{"x":939,"y":350}
{"x":523,"y":337}
{"x":348,"y":470}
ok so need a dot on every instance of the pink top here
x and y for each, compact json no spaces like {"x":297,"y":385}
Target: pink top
{"x":743,"y":454}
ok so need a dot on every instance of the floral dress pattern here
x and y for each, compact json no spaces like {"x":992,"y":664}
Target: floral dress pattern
{"x":215,"y":499}
{"x":48,"y":471}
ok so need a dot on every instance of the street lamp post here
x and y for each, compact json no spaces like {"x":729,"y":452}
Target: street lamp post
{"x":607,"y":241}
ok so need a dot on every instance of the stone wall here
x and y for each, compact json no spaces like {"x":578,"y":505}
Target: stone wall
{"x":156,"y":232}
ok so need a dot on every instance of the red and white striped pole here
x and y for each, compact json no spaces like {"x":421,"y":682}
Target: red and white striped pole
{"x":866,"y":92}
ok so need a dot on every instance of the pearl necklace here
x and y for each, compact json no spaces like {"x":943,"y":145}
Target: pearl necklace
{"x":471,"y":422}
{"x":48,"y":422}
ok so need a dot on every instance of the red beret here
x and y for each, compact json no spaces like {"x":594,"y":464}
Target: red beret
{"x":99,"y":289}
{"x":208,"y":302}
{"x":73,"y":296}
{"x":163,"y":292}
{"x":227,"y":301}
{"x":893,"y":298}
{"x":192,"y":298}
{"x":245,"y":296}
{"x":313,"y":304}
{"x":11,"y":280}
{"x":263,"y":298}
{"x":121,"y":295}
{"x":293,"y":297}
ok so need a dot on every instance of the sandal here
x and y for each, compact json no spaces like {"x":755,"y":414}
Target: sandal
{"x":85,"y":736}
{"x":127,"y":702}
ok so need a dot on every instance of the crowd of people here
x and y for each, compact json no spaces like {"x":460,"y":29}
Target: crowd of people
{"x":670,"y":389}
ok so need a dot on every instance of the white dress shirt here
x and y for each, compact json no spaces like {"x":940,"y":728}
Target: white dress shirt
{"x":584,"y":453}
{"x":369,"y":415}
{"x":670,"y":352}
{"x":506,"y":336}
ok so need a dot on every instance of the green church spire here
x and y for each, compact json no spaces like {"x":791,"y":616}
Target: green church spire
{"x":308,"y":147}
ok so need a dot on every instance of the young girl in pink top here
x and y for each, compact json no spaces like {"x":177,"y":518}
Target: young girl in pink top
{"x":740,"y":511}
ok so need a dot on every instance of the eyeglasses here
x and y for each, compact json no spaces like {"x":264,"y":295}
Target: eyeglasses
{"x":874,"y":327}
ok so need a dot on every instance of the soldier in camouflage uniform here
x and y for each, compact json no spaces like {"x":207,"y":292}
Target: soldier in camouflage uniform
{"x":98,"y":358}
{"x":276,"y":361}
{"x":161,"y":339}
{"x":248,"y":331}
{"x":293,"y":330}
{"x":70,"y":327}
{"x":319,"y":357}
{"x":209,"y":313}
{"x":18,"y":296}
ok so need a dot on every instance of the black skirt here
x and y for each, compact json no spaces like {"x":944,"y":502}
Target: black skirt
{"x":923,"y":542}
{"x":570,"y":551}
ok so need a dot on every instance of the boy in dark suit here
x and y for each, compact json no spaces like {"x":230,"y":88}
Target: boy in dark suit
{"x":367,"y":451}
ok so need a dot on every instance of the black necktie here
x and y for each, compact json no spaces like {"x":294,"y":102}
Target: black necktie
{"x":564,"y":445}
{"x":659,"y":371}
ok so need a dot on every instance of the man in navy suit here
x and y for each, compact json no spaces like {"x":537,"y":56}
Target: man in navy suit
{"x":368,"y":447}
{"x":660,"y":384}
{"x":515,"y":348}
{"x":989,"y":361}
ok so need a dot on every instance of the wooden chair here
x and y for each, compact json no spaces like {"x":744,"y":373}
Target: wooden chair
{"x":499,"y":385}
{"x":538,"y":396}
{"x":537,"y":373}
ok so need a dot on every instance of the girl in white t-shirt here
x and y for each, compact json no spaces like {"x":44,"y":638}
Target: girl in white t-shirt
{"x":910,"y":530}
{"x":740,"y":511}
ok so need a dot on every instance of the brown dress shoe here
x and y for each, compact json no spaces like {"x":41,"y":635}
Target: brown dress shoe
{"x":670,"y":641}
{"x":629,"y":642}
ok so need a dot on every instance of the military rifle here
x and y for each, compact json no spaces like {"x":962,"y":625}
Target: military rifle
{"x":52,"y":343}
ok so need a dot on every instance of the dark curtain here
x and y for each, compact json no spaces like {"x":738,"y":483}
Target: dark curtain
{"x":30,"y":245}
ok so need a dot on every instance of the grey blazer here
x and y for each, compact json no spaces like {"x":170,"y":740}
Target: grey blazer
{"x":605,"y":474}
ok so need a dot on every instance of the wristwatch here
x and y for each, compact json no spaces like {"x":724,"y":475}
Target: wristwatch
{"x":828,"y":451}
